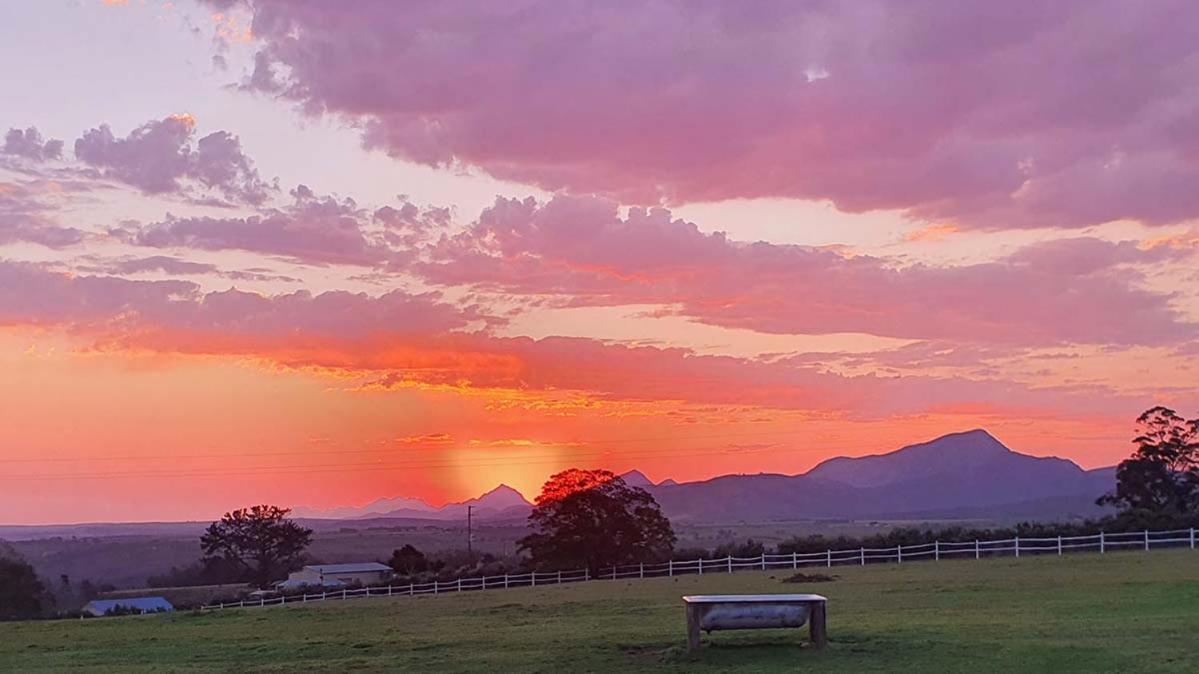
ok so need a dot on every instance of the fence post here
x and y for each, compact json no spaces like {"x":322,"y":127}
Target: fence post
{"x":763,"y":560}
{"x":670,"y":567}
{"x":729,"y":559}
{"x":899,"y":554}
{"x":533,"y":581}
{"x":459,"y":583}
{"x":1192,"y":538}
{"x":411,"y":589}
{"x":559,"y":577}
{"x":700,"y":564}
{"x":640,"y":571}
{"x":613,"y":572}
{"x":1017,"y":547}
{"x":862,"y":555}
{"x":1101,"y":546}
{"x":794,"y":560}
{"x":1059,"y":545}
{"x":1146,"y":540}
{"x":977,"y":550}
{"x":389,"y":590}
{"x":829,"y":558}
{"x":937,"y":550}
{"x":436,"y":583}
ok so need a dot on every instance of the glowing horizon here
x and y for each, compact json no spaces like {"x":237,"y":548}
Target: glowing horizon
{"x":259,"y":269}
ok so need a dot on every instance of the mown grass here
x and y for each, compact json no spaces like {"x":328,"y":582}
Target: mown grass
{"x":1122,"y":612}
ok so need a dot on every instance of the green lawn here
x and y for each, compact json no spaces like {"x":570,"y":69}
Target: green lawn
{"x":1118,"y":612}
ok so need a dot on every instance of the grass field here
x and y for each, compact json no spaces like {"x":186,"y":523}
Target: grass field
{"x":1118,"y":612}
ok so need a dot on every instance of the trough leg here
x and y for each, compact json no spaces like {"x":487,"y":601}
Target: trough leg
{"x":692,"y":627}
{"x":817,"y":628}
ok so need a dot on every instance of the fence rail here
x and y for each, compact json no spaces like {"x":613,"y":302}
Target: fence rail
{"x":936,"y":550}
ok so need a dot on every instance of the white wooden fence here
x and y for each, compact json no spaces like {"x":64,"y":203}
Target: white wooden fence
{"x":937,"y":550}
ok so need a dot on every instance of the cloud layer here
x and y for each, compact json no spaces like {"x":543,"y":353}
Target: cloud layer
{"x":988,"y":115}
{"x":580,"y":249}
{"x":418,"y":339}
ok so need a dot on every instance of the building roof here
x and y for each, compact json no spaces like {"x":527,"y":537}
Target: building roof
{"x":366,"y":567}
{"x":295,"y":583}
{"x":102,"y":606}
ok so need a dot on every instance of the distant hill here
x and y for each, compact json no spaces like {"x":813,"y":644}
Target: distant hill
{"x":376,"y":507}
{"x":503,"y":502}
{"x":962,"y":475}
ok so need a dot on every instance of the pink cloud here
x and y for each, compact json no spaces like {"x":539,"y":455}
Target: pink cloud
{"x":1071,"y":290}
{"x":25,"y":216}
{"x":407,"y":338}
{"x":984,"y":114}
{"x":314,"y":229}
{"x":172,"y":316}
{"x":159,"y":157}
{"x":30,"y":145}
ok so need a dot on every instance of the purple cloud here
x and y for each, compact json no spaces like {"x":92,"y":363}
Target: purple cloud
{"x":989,"y":115}
{"x":30,"y":145}
{"x":158,"y":157}
{"x":143,"y":312}
{"x":24,"y":216}
{"x":313,"y":229}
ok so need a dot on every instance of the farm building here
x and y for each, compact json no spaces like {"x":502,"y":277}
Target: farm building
{"x":336,"y":575}
{"x":102,"y":607}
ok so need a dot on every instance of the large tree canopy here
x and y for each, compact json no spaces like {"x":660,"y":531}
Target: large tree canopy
{"x":593,"y":518}
{"x":21,"y":593}
{"x":261,"y":540}
{"x":407,"y":561}
{"x":1162,"y":475}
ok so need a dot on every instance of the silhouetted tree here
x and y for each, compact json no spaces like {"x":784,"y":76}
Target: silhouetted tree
{"x":407,"y":561}
{"x":261,"y":540}
{"x":1162,"y":475}
{"x":208,"y":571}
{"x":593,"y":518}
{"x":21,"y":593}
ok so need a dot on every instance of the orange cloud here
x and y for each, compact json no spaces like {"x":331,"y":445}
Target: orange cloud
{"x":937,"y":232}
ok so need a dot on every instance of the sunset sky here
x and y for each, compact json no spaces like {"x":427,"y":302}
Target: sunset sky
{"x":317,"y":253}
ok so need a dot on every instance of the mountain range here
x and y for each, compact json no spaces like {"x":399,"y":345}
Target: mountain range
{"x":961,"y":475}
{"x":503,"y":502}
{"x":969,"y":475}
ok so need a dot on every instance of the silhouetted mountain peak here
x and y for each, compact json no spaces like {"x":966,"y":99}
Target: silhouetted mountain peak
{"x":956,"y":454}
{"x":636,"y":478}
{"x":499,"y":498}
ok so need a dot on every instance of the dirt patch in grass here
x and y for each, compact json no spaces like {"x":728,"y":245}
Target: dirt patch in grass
{"x":810,"y":578}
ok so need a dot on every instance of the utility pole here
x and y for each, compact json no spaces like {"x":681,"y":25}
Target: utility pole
{"x":470,"y":538}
